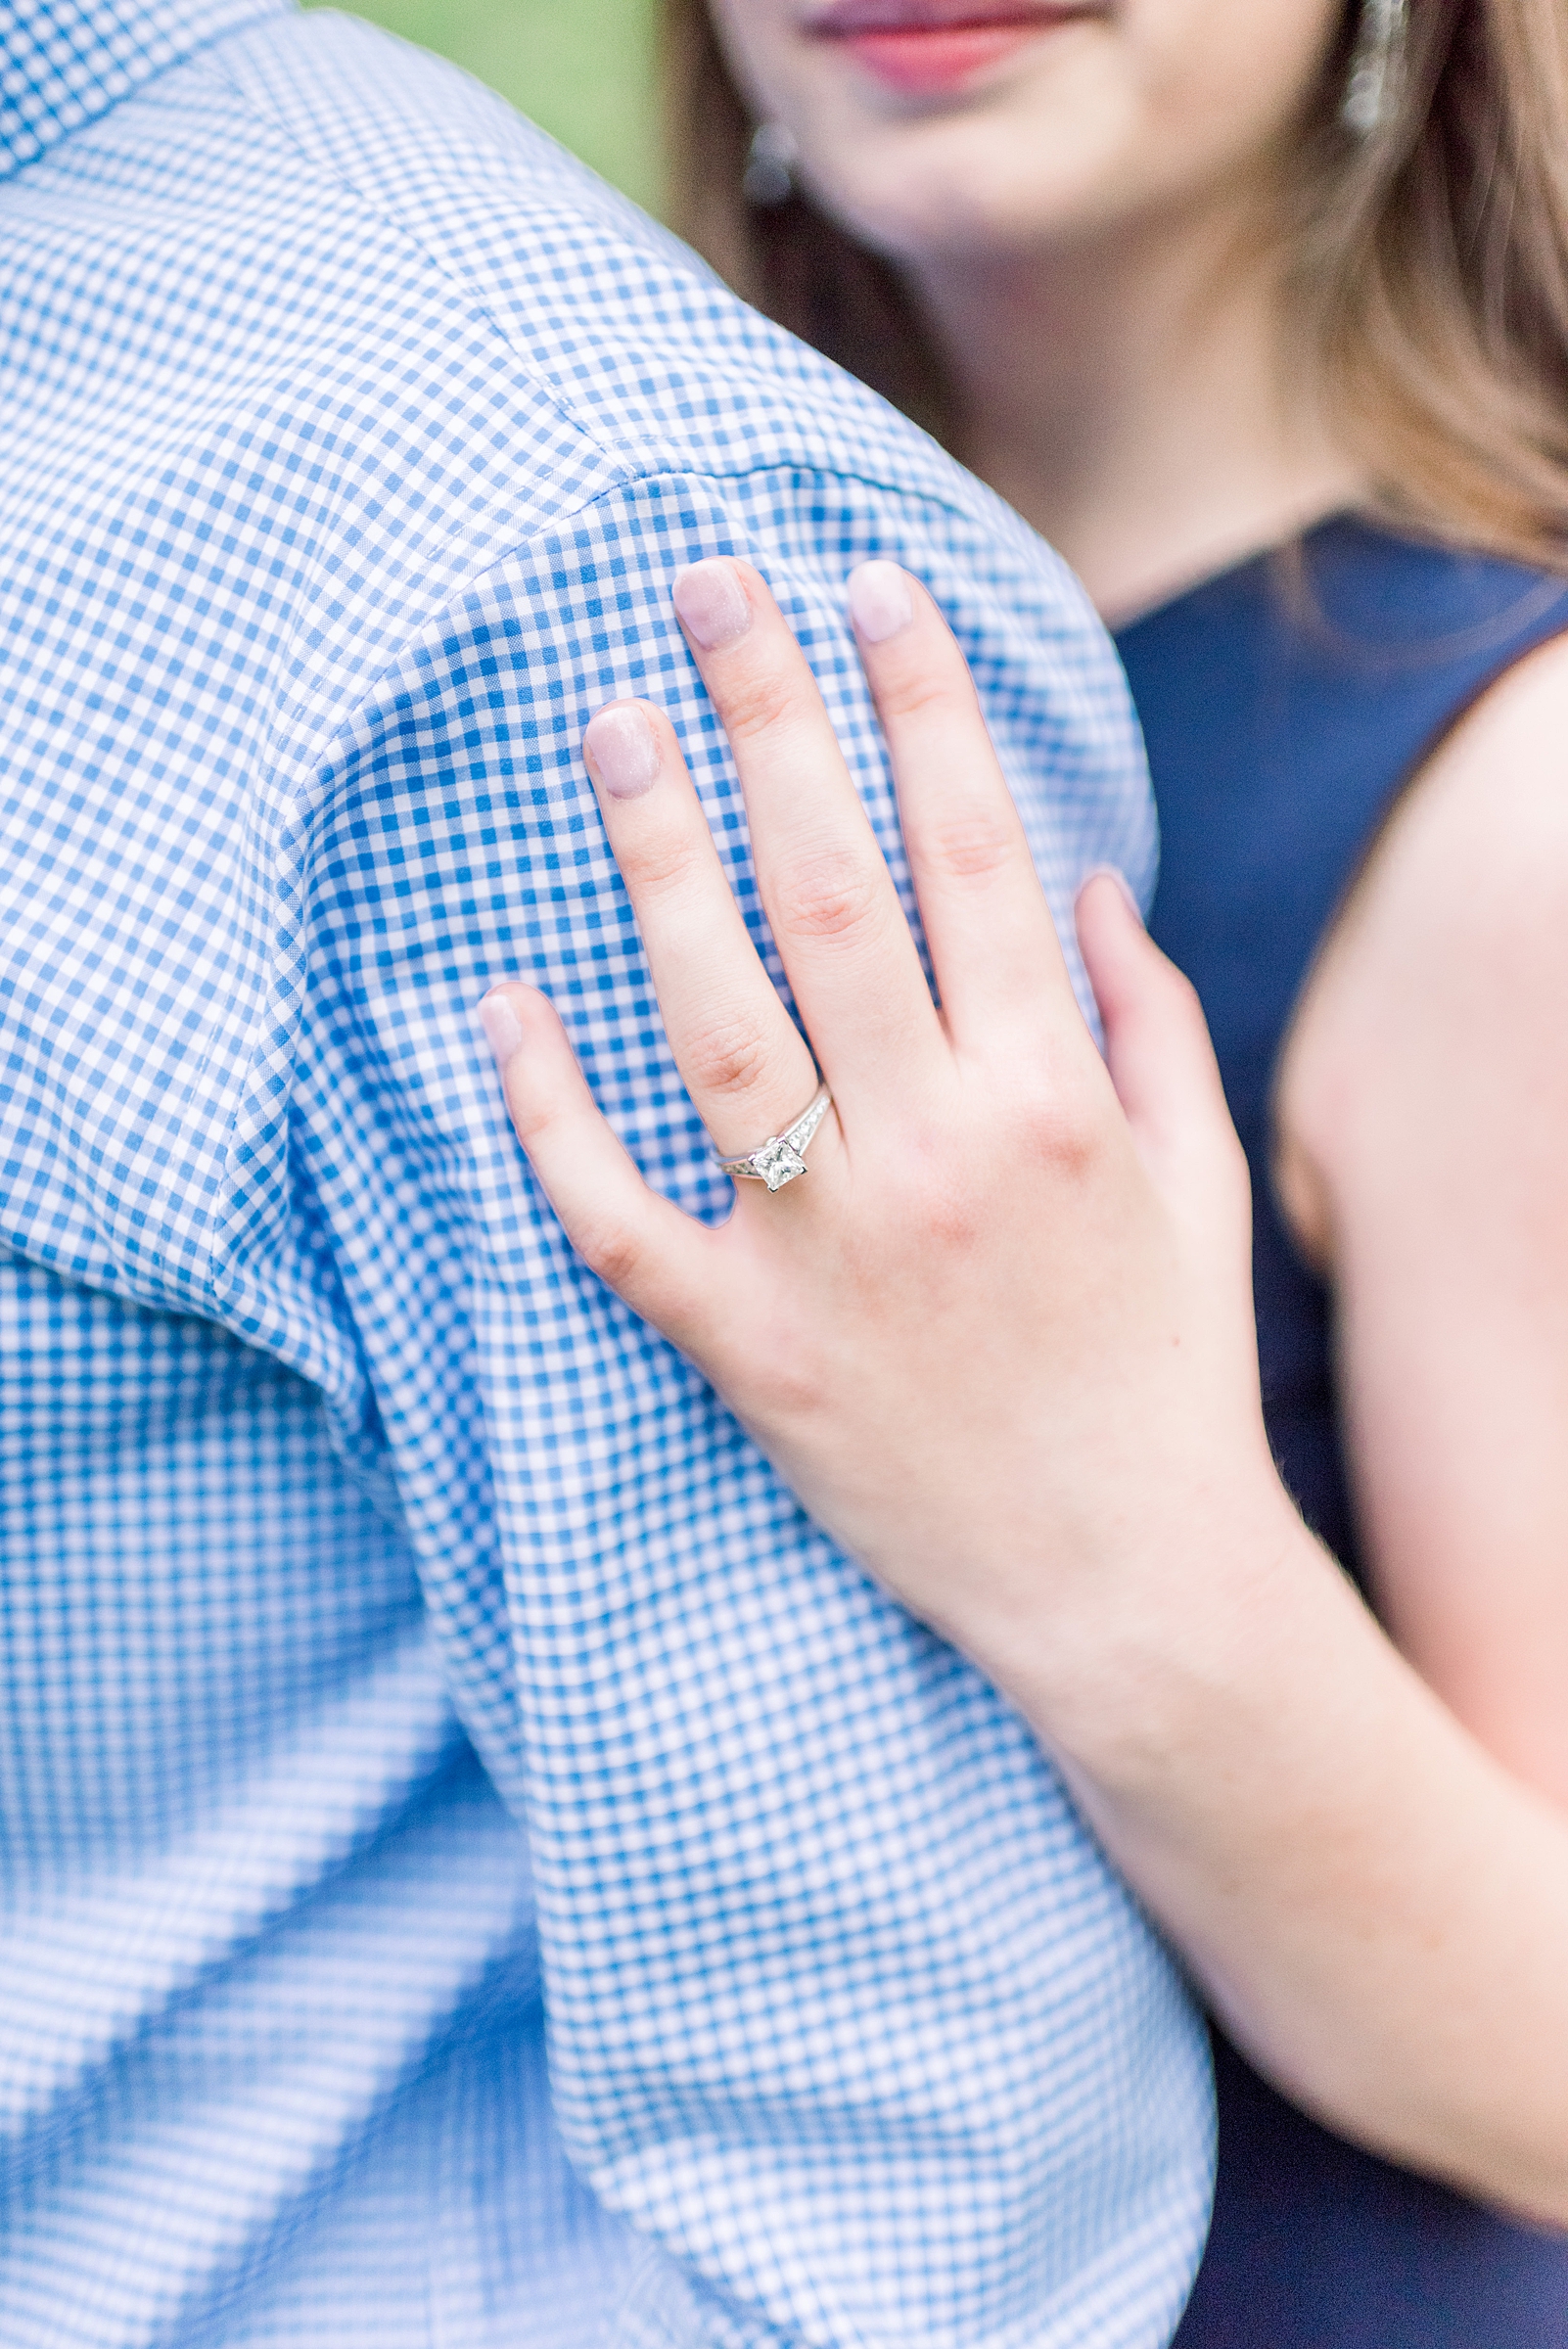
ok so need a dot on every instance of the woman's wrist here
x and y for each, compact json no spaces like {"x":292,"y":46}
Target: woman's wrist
{"x":1181,"y":1628}
{"x":1346,"y":1872}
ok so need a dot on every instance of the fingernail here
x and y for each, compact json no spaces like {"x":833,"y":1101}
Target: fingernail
{"x":1112,"y":872}
{"x":880,"y":601}
{"x":712,"y":601}
{"x":624,"y":750}
{"x":502,"y":1026}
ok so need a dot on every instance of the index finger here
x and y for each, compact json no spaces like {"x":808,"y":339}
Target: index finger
{"x":825,"y":883}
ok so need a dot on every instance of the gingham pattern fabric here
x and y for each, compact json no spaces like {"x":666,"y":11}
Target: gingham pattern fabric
{"x":408,"y":1667}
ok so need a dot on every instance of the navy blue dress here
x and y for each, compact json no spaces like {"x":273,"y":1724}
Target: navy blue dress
{"x":1284,"y":704}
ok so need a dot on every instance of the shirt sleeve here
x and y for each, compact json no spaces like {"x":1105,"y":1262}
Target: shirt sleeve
{"x":848,"y":2015}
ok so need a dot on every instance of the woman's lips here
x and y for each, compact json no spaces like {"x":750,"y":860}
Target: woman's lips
{"x":918,"y":57}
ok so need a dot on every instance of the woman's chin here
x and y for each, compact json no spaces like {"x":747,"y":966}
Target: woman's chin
{"x":994,"y":180}
{"x":959,"y":212}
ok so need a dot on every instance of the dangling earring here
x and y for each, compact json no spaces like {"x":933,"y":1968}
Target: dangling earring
{"x":1376,"y":82}
{"x":768,"y":178}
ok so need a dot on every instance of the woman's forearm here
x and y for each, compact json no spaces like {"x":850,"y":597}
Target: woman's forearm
{"x":1010,"y":1365}
{"x":1376,"y":1909}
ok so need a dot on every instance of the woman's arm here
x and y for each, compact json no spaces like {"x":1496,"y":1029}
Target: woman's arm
{"x":1424,"y":1115}
{"x":1424,"y":1124}
{"x":1000,"y":1341}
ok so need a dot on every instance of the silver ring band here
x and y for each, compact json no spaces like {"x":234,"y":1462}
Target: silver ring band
{"x":782,"y":1157}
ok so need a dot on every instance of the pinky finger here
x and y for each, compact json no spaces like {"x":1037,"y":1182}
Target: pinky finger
{"x":654,"y":1256}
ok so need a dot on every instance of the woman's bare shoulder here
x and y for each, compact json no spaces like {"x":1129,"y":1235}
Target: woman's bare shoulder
{"x":1441,"y":992}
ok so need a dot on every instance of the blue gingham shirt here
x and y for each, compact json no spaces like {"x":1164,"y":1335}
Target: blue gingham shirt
{"x":480,"y":1868}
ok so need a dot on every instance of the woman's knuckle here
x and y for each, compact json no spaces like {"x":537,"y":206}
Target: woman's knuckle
{"x":1186,"y":1002}
{"x":793,"y":1388}
{"x":829,"y":896}
{"x":611,"y":1251}
{"x":1060,"y":1127}
{"x":758,"y":704}
{"x":975,"y":845}
{"x":951,"y":1216}
{"x":660,"y":866}
{"x":920,"y":695}
{"x":531,"y":1118}
{"x":727,"y":1059}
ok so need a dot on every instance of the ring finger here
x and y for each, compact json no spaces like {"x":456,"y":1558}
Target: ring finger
{"x":739,"y":1053}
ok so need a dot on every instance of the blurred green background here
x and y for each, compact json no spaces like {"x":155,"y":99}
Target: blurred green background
{"x":582,"y":68}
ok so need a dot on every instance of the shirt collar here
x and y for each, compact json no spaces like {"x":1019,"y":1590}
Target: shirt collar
{"x":64,"y":62}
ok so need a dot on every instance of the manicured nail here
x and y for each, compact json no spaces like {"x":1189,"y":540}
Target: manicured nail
{"x":880,"y":601}
{"x":503,"y":1028}
{"x":623,"y":751}
{"x":712,"y":601}
{"x":1112,"y":872}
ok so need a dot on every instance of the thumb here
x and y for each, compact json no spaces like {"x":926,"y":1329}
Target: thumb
{"x":1157,"y":1044}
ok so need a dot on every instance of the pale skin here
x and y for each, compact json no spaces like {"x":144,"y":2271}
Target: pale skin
{"x":1359,"y":1838}
{"x":1001,"y":1236}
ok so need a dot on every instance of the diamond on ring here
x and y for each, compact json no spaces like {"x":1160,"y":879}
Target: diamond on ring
{"x":782,"y":1157}
{"x":776,"y":1163}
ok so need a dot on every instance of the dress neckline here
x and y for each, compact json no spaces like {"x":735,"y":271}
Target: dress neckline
{"x":1346,"y":518}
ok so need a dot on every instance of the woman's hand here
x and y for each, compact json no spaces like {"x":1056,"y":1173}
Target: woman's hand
{"x":999,"y":1337}
{"x":1000,"y":1340}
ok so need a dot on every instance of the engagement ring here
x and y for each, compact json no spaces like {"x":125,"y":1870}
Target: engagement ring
{"x":782,"y":1157}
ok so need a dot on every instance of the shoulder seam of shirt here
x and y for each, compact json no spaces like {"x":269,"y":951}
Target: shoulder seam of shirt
{"x":566,"y":520}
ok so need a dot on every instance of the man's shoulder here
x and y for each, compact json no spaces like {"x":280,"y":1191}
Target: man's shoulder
{"x":601,"y":309}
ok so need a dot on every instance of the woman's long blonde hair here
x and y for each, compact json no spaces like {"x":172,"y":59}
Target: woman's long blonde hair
{"x":1436,"y":253}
